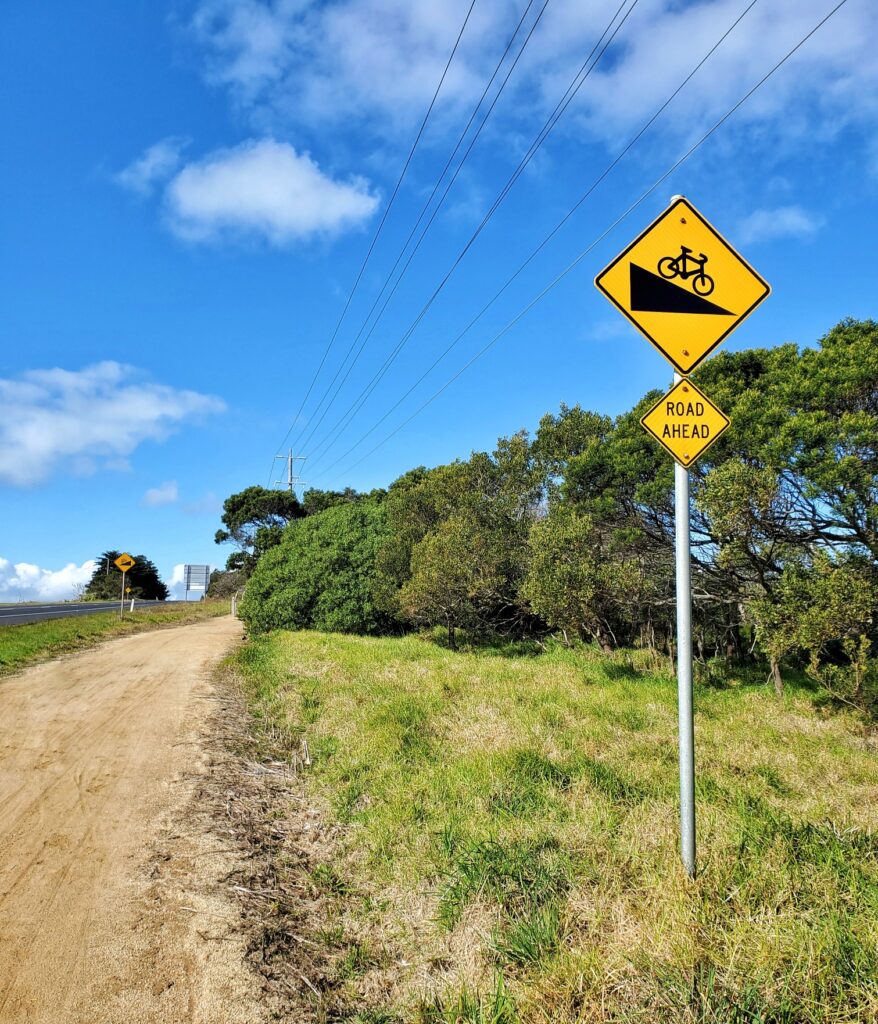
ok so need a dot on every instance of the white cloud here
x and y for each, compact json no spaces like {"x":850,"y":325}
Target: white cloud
{"x":311,"y":63}
{"x":252,"y":40}
{"x":781,"y":222}
{"x":264,"y":188}
{"x":86,"y":419}
{"x":830,"y":82}
{"x":26,"y":582}
{"x":154,"y":166}
{"x":316,"y":61}
{"x":165,"y":494}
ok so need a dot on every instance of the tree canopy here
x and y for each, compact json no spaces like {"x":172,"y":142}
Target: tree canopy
{"x":322,"y":574}
{"x":572,"y":530}
{"x":106,"y":580}
{"x":254,"y":519}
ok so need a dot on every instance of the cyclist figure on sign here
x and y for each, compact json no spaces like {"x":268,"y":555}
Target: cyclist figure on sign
{"x":685,"y":266}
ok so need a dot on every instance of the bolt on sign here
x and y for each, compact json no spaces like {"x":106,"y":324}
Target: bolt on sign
{"x":682,"y":286}
{"x":124,"y":562}
{"x":685,"y":422}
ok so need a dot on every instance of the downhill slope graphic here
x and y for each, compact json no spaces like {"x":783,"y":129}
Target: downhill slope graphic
{"x":653,"y":294}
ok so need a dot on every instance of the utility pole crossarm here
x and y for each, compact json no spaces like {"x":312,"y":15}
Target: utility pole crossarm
{"x":292,"y":479}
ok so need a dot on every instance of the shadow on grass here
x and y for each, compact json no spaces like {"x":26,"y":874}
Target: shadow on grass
{"x":622,"y":670}
{"x":733,"y":678}
{"x":830,"y":703}
{"x":716,"y":675}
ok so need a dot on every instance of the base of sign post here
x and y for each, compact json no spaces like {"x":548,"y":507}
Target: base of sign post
{"x":684,"y":667}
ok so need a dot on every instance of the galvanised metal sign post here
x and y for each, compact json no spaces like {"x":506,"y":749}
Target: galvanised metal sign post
{"x":685,"y":289}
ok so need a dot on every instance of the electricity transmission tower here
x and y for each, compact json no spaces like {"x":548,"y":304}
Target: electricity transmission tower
{"x":291,"y":479}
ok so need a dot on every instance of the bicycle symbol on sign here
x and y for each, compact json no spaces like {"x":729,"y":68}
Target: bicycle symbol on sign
{"x":685,"y":266}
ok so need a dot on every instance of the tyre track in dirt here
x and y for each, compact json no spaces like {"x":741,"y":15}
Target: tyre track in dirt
{"x":109,"y":880}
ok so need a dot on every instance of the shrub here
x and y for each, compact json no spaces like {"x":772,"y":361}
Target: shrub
{"x":321,"y":575}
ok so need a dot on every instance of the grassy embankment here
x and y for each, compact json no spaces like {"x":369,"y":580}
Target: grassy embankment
{"x":506,"y":843}
{"x":25,"y":645}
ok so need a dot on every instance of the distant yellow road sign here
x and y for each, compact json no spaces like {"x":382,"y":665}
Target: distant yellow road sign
{"x":682,"y":286}
{"x":685,"y":422}
{"x":124,"y":562}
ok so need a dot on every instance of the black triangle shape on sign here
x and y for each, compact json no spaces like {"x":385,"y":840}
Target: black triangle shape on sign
{"x":653,"y":294}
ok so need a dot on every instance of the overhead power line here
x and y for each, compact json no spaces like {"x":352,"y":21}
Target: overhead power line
{"x":579,"y":79}
{"x":588,"y":192}
{"x":425,"y":207}
{"x":571,"y":266}
{"x":426,"y":228}
{"x":381,"y":224}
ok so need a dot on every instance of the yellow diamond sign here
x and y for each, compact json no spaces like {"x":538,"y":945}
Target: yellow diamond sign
{"x":682,"y":286}
{"x":685,"y":422}
{"x":124,"y":562}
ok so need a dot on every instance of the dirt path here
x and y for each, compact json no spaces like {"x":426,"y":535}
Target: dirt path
{"x":109,"y":904}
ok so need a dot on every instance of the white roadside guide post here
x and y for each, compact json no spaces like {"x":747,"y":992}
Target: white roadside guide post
{"x":685,"y":289}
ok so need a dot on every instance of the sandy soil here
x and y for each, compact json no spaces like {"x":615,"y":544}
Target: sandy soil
{"x":111,"y":902}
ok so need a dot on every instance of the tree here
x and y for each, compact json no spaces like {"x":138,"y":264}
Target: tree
{"x":573,"y":433}
{"x":495,"y":496}
{"x":796,"y":473}
{"x":811,"y":417}
{"x":106,"y":580}
{"x":575,"y":528}
{"x":816,"y":605}
{"x":415,"y":505}
{"x":579,"y":581}
{"x":321,"y":575}
{"x":254,"y":520}
{"x":315,"y":501}
{"x":456,"y":577}
{"x":225,"y":584}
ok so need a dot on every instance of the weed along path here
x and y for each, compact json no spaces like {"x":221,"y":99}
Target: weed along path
{"x":108,"y":904}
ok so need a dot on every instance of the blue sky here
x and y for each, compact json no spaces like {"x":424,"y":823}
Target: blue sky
{"x":189,"y":189}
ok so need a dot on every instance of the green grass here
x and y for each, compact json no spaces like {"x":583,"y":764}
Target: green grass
{"x":508,"y":845}
{"x":33,"y":642}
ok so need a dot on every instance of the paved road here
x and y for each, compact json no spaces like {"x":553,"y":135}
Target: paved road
{"x":18,"y":614}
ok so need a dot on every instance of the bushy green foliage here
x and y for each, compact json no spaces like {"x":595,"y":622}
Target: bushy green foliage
{"x":315,"y":501}
{"x":457,"y":549}
{"x":580,"y":581}
{"x":143,"y":579}
{"x":814,"y":606}
{"x":225,"y":583}
{"x":456,"y":569}
{"x":321,"y":575}
{"x":253,"y":519}
{"x":572,"y":530}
